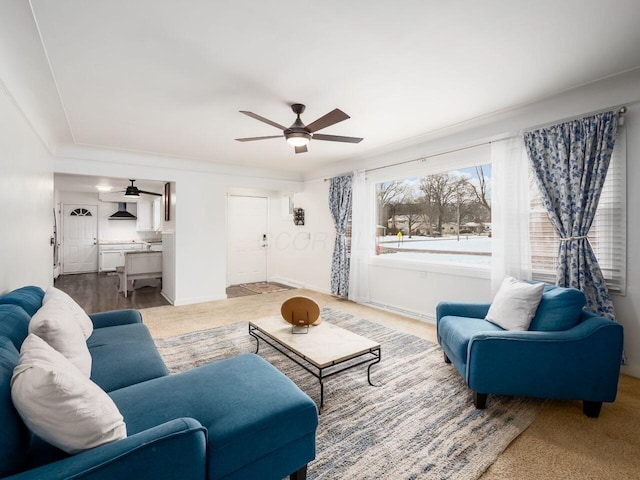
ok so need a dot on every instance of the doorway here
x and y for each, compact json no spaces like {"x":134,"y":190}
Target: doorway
{"x":247,"y":242}
{"x":80,"y":239}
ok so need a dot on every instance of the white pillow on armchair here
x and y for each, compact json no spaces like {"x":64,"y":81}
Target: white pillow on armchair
{"x":515,"y":304}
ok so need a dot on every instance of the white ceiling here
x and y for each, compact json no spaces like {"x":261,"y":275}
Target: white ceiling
{"x":169,"y":76}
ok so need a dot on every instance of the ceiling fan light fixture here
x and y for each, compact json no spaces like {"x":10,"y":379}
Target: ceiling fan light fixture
{"x":298,"y":139}
{"x":132,"y":191}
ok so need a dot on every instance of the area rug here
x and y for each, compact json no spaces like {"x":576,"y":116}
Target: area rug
{"x":264,"y":287}
{"x":420,"y":423}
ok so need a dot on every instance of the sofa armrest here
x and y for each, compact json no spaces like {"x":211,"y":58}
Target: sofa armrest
{"x":582,"y":363}
{"x":113,"y":318}
{"x":175,"y":449}
{"x":462,"y":309}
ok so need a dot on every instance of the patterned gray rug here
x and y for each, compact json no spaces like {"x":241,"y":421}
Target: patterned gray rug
{"x":420,"y":423}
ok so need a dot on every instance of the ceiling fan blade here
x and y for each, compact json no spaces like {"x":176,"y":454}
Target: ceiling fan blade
{"x":251,"y":139}
{"x":329,"y":119}
{"x":150,"y":193}
{"x":262,"y":119}
{"x":301,"y":149}
{"x":337,"y":138}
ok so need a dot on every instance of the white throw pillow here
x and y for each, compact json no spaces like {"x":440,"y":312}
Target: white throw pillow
{"x":65,"y":301}
{"x":515,"y":304}
{"x":56,"y":326}
{"x":59,"y":404}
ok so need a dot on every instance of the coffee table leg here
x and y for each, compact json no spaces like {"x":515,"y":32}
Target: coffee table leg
{"x":256,"y":337}
{"x":371,"y":365}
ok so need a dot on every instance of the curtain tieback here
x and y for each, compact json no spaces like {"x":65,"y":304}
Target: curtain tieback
{"x":571,"y":239}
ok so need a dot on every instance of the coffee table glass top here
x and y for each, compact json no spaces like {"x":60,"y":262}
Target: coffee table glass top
{"x":322,"y":346}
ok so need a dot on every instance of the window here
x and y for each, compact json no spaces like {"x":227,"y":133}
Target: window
{"x":80,"y":212}
{"x":608,"y":232}
{"x":439,"y":217}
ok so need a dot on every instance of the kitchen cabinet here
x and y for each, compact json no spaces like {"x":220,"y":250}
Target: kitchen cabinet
{"x":150,"y":216}
{"x":110,"y":259}
{"x":144,"y":222}
{"x":158,"y":214}
{"x":112,"y":255}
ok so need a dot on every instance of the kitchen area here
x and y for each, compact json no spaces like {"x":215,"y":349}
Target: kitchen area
{"x":117,"y":230}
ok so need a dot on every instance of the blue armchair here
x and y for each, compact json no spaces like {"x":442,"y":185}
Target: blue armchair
{"x":567,"y":353}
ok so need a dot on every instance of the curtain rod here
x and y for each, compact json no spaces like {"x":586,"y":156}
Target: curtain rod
{"x":621,"y":111}
{"x":420,"y":159}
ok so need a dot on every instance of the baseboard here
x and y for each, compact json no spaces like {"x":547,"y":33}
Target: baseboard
{"x":167,"y":298}
{"x":317,"y":289}
{"x":631,"y":370}
{"x":423,"y":317}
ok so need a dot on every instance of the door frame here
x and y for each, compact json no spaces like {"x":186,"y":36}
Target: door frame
{"x":62,"y":227}
{"x":268,"y":232}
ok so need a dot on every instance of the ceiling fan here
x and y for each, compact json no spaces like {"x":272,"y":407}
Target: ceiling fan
{"x":134,"y":192}
{"x":299,"y":134}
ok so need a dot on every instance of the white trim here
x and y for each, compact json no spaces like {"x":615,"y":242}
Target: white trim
{"x":631,"y":370}
{"x":423,"y":317}
{"x":12,"y":99}
{"x":53,"y":75}
{"x":167,"y":297}
{"x":287,"y":281}
{"x":454,"y":270}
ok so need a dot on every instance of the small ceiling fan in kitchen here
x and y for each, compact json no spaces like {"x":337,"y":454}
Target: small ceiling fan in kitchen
{"x":134,"y":192}
{"x":298,"y":134}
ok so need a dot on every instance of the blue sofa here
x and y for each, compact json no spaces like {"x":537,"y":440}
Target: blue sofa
{"x":567,"y":353}
{"x":239,"y":418}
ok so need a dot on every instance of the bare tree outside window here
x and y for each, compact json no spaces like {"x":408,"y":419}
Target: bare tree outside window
{"x":444,"y":217}
{"x":390,"y":196}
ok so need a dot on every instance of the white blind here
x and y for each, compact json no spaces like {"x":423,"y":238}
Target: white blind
{"x":608,"y":234}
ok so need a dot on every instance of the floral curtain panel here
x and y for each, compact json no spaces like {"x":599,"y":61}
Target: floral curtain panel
{"x":340,"y":193}
{"x":570,"y":163}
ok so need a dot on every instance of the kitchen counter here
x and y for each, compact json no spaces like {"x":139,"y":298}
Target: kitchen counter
{"x":111,"y":253}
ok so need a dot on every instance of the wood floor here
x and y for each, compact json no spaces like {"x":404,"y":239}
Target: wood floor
{"x":98,"y":292}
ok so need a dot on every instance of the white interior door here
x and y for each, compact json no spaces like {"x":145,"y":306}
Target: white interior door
{"x":80,"y":239}
{"x":247,"y":241}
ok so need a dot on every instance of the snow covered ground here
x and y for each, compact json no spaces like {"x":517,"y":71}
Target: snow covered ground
{"x":481,"y":246}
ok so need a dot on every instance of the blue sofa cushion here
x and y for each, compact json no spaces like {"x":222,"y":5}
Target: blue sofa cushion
{"x":29,"y":298}
{"x":14,"y":324}
{"x":559,"y":309}
{"x":124,"y":355}
{"x":14,"y":436}
{"x":248,"y":407}
{"x":456,"y":332}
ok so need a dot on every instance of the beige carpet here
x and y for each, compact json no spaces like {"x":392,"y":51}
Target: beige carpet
{"x":561,"y":443}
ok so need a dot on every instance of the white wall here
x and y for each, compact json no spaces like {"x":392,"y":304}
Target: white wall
{"x":299,"y":255}
{"x":26,"y":202}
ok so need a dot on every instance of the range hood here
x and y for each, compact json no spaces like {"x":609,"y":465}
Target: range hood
{"x":122,"y":213}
